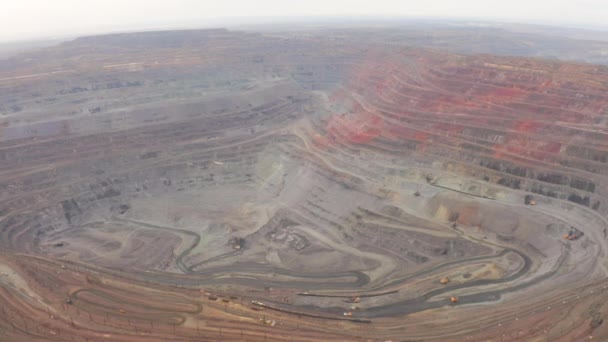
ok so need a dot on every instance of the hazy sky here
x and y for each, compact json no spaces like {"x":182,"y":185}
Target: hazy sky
{"x":24,"y":19}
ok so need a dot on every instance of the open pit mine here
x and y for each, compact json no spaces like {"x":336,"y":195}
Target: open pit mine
{"x":218,"y":185}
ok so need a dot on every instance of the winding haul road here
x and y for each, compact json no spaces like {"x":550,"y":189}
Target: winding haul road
{"x":216,"y":276}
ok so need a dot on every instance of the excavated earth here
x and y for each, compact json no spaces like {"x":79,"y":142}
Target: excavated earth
{"x":219,"y":185}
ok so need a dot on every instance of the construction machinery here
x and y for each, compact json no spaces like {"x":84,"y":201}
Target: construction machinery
{"x":270,"y":322}
{"x":573,"y":234}
{"x":454,"y":299}
{"x":444,"y":280}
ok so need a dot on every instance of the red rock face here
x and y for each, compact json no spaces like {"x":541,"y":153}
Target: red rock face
{"x":531,"y":113}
